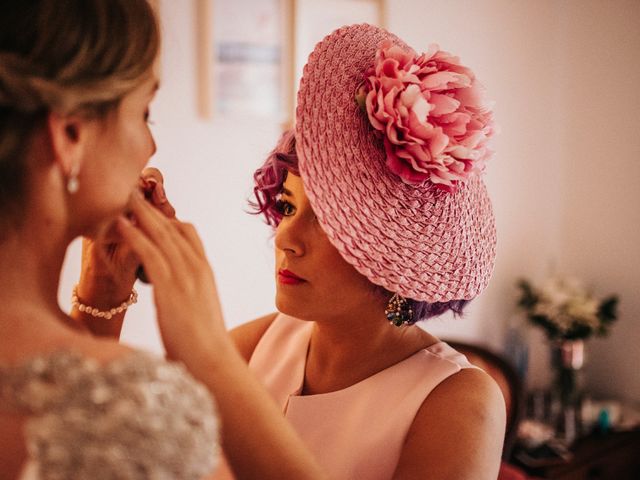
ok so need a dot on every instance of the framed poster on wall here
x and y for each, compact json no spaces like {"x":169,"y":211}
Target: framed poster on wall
{"x":244,"y":58}
{"x":251,"y":52}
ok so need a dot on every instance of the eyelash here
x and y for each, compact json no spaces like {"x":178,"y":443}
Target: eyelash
{"x":284,"y":208}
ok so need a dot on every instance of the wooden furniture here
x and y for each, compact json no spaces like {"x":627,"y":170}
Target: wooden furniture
{"x":611,"y":456}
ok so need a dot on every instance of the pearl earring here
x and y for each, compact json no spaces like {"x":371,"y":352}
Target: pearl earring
{"x":72,"y":182}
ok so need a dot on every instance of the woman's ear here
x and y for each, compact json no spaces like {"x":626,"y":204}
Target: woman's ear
{"x":70,"y":139}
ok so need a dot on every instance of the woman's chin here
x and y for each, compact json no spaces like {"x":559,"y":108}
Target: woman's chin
{"x":105,"y":230}
{"x":288,"y":307}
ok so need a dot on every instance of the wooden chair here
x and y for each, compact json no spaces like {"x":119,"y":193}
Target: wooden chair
{"x":507,"y":379}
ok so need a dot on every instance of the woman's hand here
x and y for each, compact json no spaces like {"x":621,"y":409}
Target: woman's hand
{"x":109,"y":267}
{"x":185,"y":293}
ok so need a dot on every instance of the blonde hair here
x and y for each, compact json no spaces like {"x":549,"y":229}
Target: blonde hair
{"x":65,"y":56}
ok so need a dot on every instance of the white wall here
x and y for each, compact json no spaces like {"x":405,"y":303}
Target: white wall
{"x":601,"y":222}
{"x":565,"y":79}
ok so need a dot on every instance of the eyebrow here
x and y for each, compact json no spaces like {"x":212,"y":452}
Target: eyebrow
{"x":286,"y":192}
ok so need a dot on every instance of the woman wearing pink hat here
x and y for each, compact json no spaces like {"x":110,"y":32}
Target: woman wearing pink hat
{"x":381,"y":220}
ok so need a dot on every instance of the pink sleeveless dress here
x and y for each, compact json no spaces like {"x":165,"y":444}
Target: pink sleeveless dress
{"x":356,"y":433}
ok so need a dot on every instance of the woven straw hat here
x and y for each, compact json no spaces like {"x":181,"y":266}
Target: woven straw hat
{"x":412,"y":239}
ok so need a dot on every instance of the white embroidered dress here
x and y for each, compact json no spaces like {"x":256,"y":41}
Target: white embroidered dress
{"x":138,"y":417}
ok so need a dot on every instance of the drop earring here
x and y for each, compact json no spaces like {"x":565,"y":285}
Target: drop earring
{"x":72,"y":182}
{"x":399,"y":311}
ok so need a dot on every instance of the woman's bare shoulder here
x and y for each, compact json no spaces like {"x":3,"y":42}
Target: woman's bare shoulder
{"x":247,"y":335}
{"x":466,"y":414}
{"x":25,"y":348}
{"x":104,"y":350}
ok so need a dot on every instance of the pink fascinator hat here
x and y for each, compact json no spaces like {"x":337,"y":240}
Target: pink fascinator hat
{"x":391,"y":147}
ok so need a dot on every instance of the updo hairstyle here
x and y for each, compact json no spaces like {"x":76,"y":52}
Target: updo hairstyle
{"x":69,"y":57}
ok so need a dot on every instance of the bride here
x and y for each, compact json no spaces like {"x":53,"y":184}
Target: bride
{"x":76,"y":80}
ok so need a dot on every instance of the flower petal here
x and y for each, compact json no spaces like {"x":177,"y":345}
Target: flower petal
{"x":443,"y":104}
{"x":432,"y":115}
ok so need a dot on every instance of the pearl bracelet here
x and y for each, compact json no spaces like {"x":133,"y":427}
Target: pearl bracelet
{"x":94,"y":312}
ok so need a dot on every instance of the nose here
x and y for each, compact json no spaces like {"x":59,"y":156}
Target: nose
{"x":290,"y":236}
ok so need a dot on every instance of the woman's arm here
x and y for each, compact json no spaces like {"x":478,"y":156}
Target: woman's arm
{"x":458,"y":431}
{"x":108,"y":268}
{"x":257,"y":439}
{"x":107,"y":275}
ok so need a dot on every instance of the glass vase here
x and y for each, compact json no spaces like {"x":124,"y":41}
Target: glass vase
{"x":567,"y":360}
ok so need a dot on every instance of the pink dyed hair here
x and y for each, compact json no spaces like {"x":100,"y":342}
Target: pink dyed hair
{"x":269,"y":178}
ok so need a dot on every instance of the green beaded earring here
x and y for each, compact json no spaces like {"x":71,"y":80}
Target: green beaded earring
{"x":399,"y":311}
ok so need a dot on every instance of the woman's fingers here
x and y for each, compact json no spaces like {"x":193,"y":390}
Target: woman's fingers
{"x":158,"y":228}
{"x":190,"y":233}
{"x":166,"y":234}
{"x":152,"y":185}
{"x":151,"y":173}
{"x":159,"y":199}
{"x":155,"y":264}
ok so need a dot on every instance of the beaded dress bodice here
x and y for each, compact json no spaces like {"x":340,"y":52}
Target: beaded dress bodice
{"x":137,"y":417}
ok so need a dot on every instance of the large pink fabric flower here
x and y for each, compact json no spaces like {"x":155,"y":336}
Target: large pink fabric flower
{"x":432,"y":113}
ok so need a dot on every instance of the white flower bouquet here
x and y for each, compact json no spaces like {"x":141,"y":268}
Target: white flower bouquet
{"x":565,"y":310}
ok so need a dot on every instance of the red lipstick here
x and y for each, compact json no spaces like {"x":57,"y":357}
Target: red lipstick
{"x":289,"y":278}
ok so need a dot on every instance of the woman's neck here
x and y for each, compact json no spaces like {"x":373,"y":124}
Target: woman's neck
{"x":31,"y":260}
{"x":345,"y":352}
